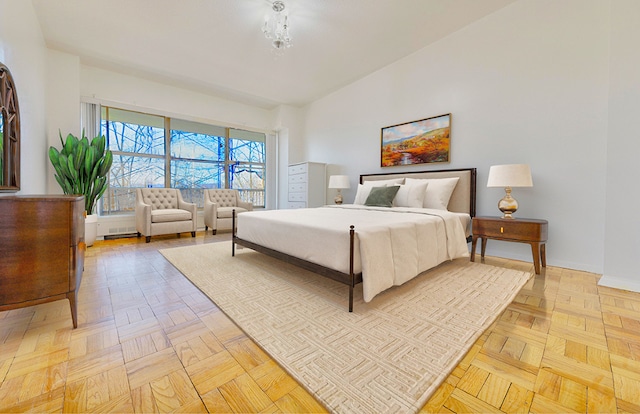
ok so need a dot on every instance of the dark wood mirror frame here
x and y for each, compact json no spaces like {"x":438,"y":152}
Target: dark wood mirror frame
{"x":9,"y":133}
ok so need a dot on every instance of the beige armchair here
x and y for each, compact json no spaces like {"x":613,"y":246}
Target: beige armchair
{"x":218,"y":206}
{"x":163,"y":211}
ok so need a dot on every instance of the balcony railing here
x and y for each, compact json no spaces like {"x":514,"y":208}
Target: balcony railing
{"x":123,"y":199}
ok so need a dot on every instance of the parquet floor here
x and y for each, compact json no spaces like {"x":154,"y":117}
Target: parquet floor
{"x":148,"y":341}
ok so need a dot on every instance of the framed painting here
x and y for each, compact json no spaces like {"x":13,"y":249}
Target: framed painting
{"x":418,"y":142}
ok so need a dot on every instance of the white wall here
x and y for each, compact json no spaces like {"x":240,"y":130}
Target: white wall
{"x":622,"y":245}
{"x":527,"y":84}
{"x":288,"y":122}
{"x":63,"y":105}
{"x":131,"y":92}
{"x":22,"y":50}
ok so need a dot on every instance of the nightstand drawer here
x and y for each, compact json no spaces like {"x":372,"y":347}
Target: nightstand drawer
{"x":523,"y":230}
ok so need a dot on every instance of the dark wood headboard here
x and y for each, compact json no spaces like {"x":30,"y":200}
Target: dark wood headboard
{"x":463,"y":199}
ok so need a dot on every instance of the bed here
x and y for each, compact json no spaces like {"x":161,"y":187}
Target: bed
{"x":371,"y":242}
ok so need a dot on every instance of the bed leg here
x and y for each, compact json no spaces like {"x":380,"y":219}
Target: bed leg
{"x":233,"y":233}
{"x":352,"y":282}
{"x":350,"y":298}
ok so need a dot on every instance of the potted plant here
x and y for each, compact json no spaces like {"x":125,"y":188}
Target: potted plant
{"x":81,"y":168}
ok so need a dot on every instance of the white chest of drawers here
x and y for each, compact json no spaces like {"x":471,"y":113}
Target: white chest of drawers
{"x":307,"y":185}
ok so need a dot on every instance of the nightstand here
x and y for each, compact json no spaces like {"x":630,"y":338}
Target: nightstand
{"x":530,"y":231}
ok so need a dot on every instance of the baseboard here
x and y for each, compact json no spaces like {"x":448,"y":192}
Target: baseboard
{"x":619,"y":283}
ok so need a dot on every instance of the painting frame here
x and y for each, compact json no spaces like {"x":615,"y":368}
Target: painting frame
{"x":424,"y":141}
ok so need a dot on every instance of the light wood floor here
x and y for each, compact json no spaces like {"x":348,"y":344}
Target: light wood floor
{"x":148,"y":341}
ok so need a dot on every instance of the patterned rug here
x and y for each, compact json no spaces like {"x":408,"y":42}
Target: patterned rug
{"x":388,"y":356}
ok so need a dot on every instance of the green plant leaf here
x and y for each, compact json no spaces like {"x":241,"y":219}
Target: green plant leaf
{"x":78,"y":157}
{"x":99,"y":143}
{"x":69,"y":145}
{"x":54,"y":157}
{"x":63,"y":184}
{"x":73,"y":174}
{"x":63,"y":162}
{"x":61,"y":140}
{"x":106,"y":164}
{"x":90,"y":159}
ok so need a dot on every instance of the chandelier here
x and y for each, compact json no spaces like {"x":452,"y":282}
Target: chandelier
{"x":276,"y":27}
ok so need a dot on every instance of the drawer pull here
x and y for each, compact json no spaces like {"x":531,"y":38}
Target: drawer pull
{"x":501,"y":230}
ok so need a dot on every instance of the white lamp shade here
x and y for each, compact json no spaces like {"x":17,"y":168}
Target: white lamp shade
{"x":510,"y":175}
{"x":339,"y":181}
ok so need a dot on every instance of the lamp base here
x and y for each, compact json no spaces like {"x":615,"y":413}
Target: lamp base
{"x":338,"y":199}
{"x":508,"y":205}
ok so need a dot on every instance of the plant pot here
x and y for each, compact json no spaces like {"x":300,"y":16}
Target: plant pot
{"x":90,"y":229}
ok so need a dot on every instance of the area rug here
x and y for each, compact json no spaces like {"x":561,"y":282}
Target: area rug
{"x":387,"y":356}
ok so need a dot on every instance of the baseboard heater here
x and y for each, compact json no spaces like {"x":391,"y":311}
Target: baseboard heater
{"x":120,"y":236}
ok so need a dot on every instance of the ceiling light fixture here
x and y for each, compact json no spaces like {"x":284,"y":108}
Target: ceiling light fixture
{"x":276,"y":27}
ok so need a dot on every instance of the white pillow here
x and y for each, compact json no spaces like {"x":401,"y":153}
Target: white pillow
{"x":384,"y":183}
{"x":361,"y":194}
{"x":364,"y":189}
{"x":411,"y":195}
{"x":439,"y":191}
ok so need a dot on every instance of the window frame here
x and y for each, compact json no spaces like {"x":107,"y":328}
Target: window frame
{"x":227,"y":164}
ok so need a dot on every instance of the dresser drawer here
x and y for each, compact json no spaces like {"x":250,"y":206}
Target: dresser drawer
{"x":298,"y":178}
{"x":521,"y":230}
{"x":297,"y":187}
{"x":298,"y":196}
{"x":298,"y":169}
{"x":297,"y":204}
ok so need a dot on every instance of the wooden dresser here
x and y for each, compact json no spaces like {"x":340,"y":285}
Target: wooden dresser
{"x":41,"y":250}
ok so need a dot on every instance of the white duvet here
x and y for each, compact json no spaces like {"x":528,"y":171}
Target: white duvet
{"x":392,"y":245}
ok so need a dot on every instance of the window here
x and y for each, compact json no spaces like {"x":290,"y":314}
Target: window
{"x":247,"y":164}
{"x":155,"y":151}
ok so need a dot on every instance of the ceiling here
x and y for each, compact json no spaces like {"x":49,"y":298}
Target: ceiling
{"x":217,"y":46}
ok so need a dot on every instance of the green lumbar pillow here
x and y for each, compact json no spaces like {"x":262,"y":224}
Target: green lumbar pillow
{"x":382,"y":196}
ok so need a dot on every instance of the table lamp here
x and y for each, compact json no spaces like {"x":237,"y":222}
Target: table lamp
{"x":339,"y":182}
{"x":507,"y":176}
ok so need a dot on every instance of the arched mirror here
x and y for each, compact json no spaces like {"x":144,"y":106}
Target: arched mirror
{"x":9,"y":133}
